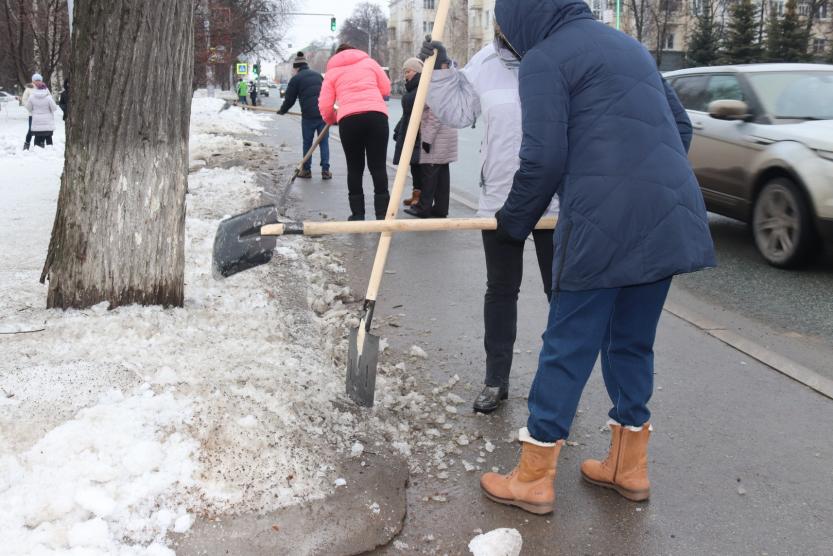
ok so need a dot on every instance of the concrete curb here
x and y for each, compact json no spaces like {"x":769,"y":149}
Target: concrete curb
{"x":783,"y":365}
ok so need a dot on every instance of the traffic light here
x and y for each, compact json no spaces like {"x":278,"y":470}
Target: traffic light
{"x":256,"y":69}
{"x":332,"y":24}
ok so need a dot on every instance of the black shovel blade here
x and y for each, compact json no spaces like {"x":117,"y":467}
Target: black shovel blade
{"x":361,"y":369}
{"x":238,"y":245}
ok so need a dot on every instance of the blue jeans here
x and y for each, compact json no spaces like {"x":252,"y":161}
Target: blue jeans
{"x":242,"y":99}
{"x":309,"y":128}
{"x":619,"y":322}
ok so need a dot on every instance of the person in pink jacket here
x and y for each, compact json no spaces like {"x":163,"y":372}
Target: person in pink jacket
{"x":358,"y":86}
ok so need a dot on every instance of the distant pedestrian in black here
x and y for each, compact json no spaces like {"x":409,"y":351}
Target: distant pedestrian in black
{"x":412,"y":69}
{"x":63,"y":101}
{"x":253,"y":92}
{"x":305,"y":87}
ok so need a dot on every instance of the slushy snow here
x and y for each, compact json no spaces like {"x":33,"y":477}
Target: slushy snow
{"x":120,"y":427}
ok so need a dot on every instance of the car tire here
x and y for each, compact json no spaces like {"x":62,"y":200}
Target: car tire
{"x":782,"y":225}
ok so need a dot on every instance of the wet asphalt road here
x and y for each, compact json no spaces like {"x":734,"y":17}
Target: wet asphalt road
{"x":741,"y":460}
{"x":799,"y":301}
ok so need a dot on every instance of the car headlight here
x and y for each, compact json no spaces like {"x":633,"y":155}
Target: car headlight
{"x":825,"y":154}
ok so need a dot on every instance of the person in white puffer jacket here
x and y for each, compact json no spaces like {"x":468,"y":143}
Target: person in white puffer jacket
{"x":487,"y":87}
{"x":42,"y":107}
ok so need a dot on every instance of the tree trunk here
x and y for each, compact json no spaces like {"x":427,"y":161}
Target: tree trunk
{"x":119,"y":228}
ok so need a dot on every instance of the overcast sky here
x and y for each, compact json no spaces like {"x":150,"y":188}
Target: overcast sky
{"x":305,"y":29}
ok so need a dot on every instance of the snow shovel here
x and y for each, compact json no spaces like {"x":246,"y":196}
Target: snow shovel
{"x":300,"y":167}
{"x":363,"y":351}
{"x":247,"y":240}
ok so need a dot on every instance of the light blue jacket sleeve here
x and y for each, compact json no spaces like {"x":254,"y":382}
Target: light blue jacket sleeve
{"x":452,"y":98}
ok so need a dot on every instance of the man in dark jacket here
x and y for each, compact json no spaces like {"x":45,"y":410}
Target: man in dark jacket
{"x":603,"y":131}
{"x":305,"y":86}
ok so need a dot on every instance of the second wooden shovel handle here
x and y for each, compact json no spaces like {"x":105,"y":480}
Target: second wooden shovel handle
{"x":390,"y":226}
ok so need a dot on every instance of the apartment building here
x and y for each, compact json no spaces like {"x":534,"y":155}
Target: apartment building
{"x":664,"y":26}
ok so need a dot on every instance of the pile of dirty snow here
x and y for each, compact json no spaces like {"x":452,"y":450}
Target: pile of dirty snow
{"x":118,"y":427}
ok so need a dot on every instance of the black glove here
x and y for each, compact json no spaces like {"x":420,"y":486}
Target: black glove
{"x":426,"y":147}
{"x":501,"y":234}
{"x":427,"y":51}
{"x":281,"y":113}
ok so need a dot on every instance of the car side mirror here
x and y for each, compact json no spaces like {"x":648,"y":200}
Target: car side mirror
{"x":731,"y":110}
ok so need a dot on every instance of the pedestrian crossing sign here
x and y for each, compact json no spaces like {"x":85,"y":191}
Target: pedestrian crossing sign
{"x":242,"y":68}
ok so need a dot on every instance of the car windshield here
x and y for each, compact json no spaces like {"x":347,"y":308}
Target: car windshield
{"x":795,"y":95}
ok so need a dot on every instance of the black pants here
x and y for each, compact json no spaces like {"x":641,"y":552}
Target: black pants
{"x":436,"y":189}
{"x":504,"y":272}
{"x":29,"y":132}
{"x":365,"y":135}
{"x":42,"y":137}
{"x":416,"y":176}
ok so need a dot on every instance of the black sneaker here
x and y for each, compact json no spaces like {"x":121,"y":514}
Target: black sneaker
{"x":305,"y":174}
{"x":489,"y":398}
{"x":326,"y":175}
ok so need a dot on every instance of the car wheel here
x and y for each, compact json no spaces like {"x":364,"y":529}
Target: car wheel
{"x":782,"y":224}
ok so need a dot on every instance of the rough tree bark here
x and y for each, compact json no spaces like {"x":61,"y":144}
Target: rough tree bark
{"x":119,"y":228}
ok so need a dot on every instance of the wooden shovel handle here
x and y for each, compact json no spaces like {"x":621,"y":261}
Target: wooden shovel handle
{"x":311,"y":150}
{"x":263,"y":109}
{"x":407,"y":150}
{"x":390,"y":226}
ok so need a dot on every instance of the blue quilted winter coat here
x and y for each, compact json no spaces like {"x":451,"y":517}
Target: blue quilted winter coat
{"x":603,"y":130}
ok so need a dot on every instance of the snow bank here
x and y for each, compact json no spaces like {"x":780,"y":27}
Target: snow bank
{"x":206,"y":117}
{"x":118,"y":427}
{"x":498,"y":542}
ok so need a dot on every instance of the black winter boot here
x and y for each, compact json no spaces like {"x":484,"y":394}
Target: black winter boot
{"x":380,"y":204}
{"x":356,"y":207}
{"x":489,"y":399}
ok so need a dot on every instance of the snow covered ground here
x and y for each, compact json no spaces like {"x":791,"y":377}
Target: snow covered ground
{"x":117,"y":427}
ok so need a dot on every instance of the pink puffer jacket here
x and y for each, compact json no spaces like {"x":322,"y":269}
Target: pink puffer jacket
{"x":356,"y":82}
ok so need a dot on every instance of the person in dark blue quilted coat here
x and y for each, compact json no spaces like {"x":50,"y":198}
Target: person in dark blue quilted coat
{"x":604,"y":131}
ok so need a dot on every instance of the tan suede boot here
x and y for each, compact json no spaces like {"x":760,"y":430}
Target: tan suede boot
{"x":414,"y":198}
{"x":625,"y":469}
{"x":531,"y":485}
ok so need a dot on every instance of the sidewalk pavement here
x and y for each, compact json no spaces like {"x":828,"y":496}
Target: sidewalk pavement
{"x":740,"y":457}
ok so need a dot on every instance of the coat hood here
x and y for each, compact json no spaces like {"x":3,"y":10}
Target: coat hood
{"x":525,"y":23}
{"x":40,"y":93}
{"x":413,"y":83}
{"x":346,"y":58}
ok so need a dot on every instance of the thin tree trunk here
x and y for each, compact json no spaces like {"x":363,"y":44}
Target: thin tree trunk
{"x":119,"y":228}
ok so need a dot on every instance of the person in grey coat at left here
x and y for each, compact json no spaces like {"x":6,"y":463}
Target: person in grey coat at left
{"x":438,"y":149}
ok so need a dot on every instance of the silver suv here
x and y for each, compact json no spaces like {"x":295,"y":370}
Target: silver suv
{"x":763,"y":151}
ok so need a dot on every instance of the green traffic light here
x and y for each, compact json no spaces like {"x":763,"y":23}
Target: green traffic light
{"x":332,"y":24}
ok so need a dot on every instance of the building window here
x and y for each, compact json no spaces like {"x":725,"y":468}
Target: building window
{"x":428,"y":4}
{"x":823,"y":11}
{"x":427,"y":26}
{"x":597,"y":6}
{"x":778,"y":7}
{"x":804,"y":9}
{"x":819,"y":46}
{"x":669,"y":41}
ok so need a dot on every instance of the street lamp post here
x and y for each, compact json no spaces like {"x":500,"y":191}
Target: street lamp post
{"x":369,"y":40}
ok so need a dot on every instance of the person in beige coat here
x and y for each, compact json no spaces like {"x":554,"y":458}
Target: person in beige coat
{"x":438,"y":150}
